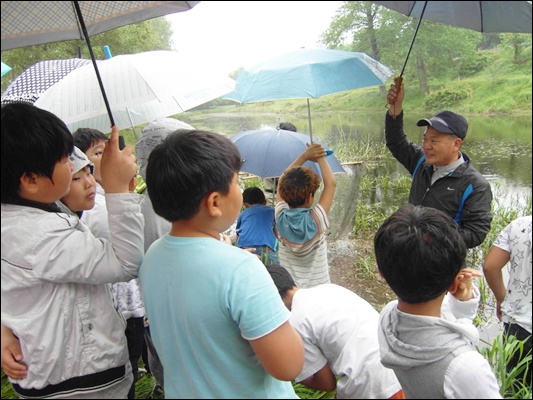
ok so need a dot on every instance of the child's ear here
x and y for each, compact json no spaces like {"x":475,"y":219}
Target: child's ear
{"x":455,"y":284}
{"x":213,"y":203}
{"x":28,"y":184}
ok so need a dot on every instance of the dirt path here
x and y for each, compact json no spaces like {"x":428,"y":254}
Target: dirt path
{"x":371,"y":287}
{"x":342,"y":256}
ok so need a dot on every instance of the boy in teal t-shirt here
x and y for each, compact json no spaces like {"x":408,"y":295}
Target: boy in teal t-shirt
{"x":216,"y":319}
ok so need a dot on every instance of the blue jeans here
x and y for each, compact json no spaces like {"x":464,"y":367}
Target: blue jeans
{"x":267,"y":255}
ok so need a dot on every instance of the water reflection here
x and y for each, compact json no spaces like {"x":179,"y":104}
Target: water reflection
{"x":499,"y":147}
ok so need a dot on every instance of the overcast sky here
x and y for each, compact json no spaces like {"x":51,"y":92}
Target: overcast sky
{"x":233,"y":34}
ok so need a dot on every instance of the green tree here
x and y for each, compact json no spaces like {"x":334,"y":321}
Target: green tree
{"x":518,"y":42}
{"x":438,"y":50}
{"x":154,"y":34}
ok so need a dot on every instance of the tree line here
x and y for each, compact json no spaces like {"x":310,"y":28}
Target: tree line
{"x":439,"y":50}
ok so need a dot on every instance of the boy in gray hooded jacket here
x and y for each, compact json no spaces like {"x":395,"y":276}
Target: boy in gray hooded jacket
{"x":427,"y":336}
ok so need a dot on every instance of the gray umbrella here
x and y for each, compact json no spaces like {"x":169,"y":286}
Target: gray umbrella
{"x":481,"y":16}
{"x":27,"y":23}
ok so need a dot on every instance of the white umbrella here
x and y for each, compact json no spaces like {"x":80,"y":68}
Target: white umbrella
{"x":140,"y":87}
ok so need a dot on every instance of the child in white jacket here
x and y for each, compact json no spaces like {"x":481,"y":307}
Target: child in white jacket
{"x":55,"y":296}
{"x":427,"y":336}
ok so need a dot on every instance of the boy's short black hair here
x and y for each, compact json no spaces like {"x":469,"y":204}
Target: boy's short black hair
{"x":253,"y":195}
{"x":87,"y":137}
{"x":187,"y":166}
{"x":33,"y":141}
{"x":419,"y":251}
{"x":282,"y":279}
{"x":287,"y":126}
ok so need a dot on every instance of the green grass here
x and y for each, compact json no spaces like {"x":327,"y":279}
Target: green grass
{"x":498,"y":355}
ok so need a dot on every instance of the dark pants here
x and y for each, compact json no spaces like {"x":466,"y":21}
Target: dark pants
{"x":521,"y":334}
{"x":154,"y":363}
{"x":135,"y":338}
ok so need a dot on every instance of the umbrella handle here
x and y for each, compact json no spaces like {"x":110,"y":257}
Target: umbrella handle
{"x":391,"y":105}
{"x":399,"y":82}
{"x":400,"y":78}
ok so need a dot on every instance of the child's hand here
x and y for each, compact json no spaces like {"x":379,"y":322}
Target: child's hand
{"x":314,"y":152}
{"x":11,"y":356}
{"x":117,"y":167}
{"x":464,"y":284}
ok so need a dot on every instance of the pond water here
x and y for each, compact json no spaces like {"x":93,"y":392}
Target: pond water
{"x":499,"y":147}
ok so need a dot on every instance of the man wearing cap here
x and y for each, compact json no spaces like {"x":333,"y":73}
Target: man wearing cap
{"x":443,"y":176}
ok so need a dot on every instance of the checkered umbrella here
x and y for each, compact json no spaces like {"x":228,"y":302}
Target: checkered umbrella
{"x":35,"y":80}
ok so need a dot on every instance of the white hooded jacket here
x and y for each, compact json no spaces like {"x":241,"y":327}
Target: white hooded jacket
{"x":55,"y":292}
{"x":435,"y":357}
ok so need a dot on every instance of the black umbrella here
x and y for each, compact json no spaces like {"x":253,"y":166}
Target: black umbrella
{"x":27,"y":23}
{"x":481,"y":16}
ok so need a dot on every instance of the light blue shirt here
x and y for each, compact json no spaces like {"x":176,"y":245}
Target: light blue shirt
{"x":205,"y":299}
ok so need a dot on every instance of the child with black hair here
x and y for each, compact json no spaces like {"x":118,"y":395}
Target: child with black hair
{"x":55,"y":273}
{"x":426,"y":336}
{"x":256,"y":225}
{"x":287,"y":126}
{"x":216,"y":319}
{"x":127,"y":294}
{"x":341,"y":346}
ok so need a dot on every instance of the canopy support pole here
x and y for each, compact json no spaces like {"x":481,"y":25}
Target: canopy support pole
{"x":93,"y":58}
{"x":414,"y":36}
{"x":309,"y":120}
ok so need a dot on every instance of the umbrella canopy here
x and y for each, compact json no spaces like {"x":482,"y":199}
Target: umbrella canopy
{"x":5,"y":69}
{"x":35,"y":80}
{"x":267,"y":153}
{"x":27,"y":23}
{"x":308,"y":73}
{"x":140,"y":87}
{"x":481,"y":16}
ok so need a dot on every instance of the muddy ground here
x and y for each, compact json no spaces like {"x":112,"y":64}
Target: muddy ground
{"x":365,"y":281}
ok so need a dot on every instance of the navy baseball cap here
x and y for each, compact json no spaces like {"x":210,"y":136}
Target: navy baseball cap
{"x":447,"y":122}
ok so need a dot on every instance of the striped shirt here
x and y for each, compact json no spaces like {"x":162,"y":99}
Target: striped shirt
{"x":303,"y":246}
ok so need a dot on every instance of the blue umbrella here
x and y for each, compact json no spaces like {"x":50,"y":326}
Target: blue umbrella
{"x":5,"y":69}
{"x":267,"y":153}
{"x":308,"y":73}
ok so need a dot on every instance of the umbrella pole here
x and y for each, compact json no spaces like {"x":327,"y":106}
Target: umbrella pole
{"x":132,"y":126}
{"x":414,"y":36}
{"x":93,"y":58}
{"x":309,"y":120}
